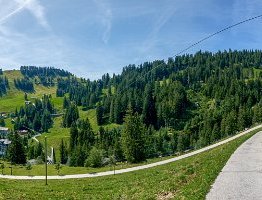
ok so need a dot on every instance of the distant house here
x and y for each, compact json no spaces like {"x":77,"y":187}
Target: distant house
{"x":3,"y":115}
{"x":4,"y":143}
{"x":27,"y":102}
{"x":57,"y":114}
{"x":22,"y":132}
{"x":3,"y":131}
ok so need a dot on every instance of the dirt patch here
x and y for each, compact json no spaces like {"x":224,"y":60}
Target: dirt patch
{"x":165,"y":195}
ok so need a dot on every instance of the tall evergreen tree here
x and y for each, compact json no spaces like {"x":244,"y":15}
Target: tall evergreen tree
{"x":73,"y":136}
{"x":99,"y":114}
{"x":16,"y":150}
{"x":149,"y":108}
{"x":63,"y":152}
{"x":133,"y":138}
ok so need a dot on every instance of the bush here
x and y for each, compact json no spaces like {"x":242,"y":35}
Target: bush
{"x":95,"y":158}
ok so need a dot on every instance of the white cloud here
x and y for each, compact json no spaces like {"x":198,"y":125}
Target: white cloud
{"x":38,"y":11}
{"x":11,"y":8}
{"x":106,"y":16}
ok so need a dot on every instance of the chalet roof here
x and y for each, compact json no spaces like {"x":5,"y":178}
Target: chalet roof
{"x":5,"y":141}
{"x":3,"y":129}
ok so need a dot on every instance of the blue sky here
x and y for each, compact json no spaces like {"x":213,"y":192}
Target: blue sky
{"x":93,"y":37}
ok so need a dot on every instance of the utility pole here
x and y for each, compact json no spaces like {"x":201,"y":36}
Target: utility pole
{"x":45,"y":161}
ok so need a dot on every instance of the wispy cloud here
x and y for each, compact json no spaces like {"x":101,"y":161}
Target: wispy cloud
{"x":12,"y":10}
{"x":33,"y":6}
{"x":153,"y":38}
{"x":38,"y":11}
{"x":106,"y":17}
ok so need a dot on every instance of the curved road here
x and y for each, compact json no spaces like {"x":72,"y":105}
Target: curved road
{"x":132,"y":168}
{"x":241,"y":177}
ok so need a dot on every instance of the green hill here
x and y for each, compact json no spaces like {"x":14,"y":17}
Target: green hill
{"x":185,"y":103}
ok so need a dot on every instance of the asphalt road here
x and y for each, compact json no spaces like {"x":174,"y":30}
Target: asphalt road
{"x":241,"y":178}
{"x":132,"y":168}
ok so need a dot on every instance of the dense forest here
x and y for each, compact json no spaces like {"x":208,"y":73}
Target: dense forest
{"x":4,"y":85}
{"x":44,"y":75}
{"x":24,"y":84}
{"x":165,"y":107}
{"x":32,"y":71}
{"x":35,"y":115}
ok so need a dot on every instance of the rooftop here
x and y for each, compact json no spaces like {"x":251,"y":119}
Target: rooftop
{"x":5,"y":141}
{"x":3,"y":129}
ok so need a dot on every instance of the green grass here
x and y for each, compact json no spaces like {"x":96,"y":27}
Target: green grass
{"x":190,"y":178}
{"x":91,"y":115}
{"x":15,"y":98}
{"x":55,"y":135}
{"x":57,"y":132}
{"x":39,"y":169}
{"x":257,"y":72}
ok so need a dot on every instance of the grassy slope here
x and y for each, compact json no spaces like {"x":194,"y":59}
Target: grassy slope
{"x":190,"y":178}
{"x":15,"y":98}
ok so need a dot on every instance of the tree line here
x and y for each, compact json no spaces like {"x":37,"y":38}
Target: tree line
{"x":32,"y":71}
{"x":24,"y":84}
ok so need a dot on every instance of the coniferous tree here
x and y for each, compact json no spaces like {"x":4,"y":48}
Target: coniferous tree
{"x":99,"y":114}
{"x":133,"y":137}
{"x":63,"y":152}
{"x":149,"y":109}
{"x":16,"y":150}
{"x":2,"y":122}
{"x":73,"y":136}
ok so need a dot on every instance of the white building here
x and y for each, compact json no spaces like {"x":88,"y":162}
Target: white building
{"x":4,"y":143}
{"x":3,"y":132}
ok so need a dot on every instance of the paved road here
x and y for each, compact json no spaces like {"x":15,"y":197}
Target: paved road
{"x":34,"y":138}
{"x":241,"y":178}
{"x":132,"y":168}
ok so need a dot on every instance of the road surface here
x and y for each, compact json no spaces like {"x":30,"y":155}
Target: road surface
{"x":132,"y":168}
{"x":241,"y":178}
{"x":34,"y":138}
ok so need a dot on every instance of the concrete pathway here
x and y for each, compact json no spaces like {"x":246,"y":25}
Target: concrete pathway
{"x":241,"y":178}
{"x":34,"y":138}
{"x":132,"y":168}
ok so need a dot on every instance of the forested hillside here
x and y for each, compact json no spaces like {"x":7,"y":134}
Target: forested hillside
{"x":187,"y":102}
{"x":153,"y":109}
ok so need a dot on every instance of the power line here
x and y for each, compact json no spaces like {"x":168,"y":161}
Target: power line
{"x":202,"y":40}
{"x":216,"y":33}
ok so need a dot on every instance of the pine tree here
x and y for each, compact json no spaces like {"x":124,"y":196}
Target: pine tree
{"x":16,"y":150}
{"x":66,"y":103}
{"x":2,"y":122}
{"x":111,"y":114}
{"x":63,"y":152}
{"x":99,"y":114}
{"x":73,"y":136}
{"x":149,"y":109}
{"x":133,"y":138}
